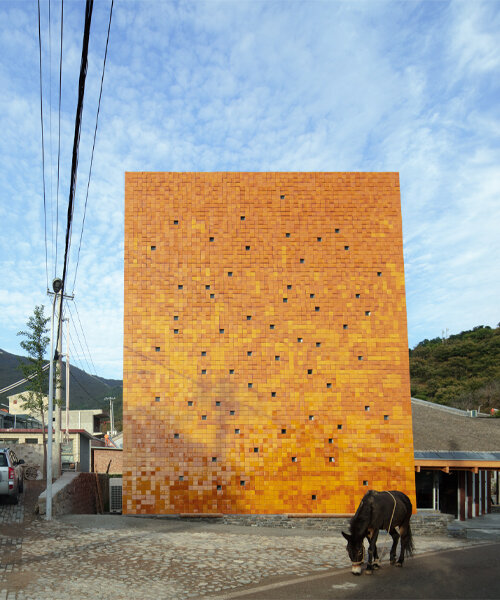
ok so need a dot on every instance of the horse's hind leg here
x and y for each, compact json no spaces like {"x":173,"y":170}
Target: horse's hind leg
{"x":395,"y":538}
{"x":403,"y":531}
{"x":372,"y":551}
{"x":376,"y":564}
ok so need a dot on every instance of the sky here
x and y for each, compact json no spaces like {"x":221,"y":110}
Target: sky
{"x":404,"y":86}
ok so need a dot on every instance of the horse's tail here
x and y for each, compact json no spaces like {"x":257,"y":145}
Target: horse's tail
{"x":409,"y":546}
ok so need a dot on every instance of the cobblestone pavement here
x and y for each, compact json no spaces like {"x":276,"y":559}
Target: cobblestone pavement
{"x":127,"y":558}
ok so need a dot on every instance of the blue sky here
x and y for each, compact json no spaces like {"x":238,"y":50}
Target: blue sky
{"x":252,"y":86}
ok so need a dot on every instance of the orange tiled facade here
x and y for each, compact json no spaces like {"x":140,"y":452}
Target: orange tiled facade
{"x":265,"y":353}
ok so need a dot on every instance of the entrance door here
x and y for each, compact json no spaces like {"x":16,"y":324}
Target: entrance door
{"x":448,"y":493}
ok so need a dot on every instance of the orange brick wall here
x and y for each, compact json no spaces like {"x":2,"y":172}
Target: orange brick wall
{"x":265,"y":352}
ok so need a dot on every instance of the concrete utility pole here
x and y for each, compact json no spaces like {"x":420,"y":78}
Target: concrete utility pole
{"x":57,"y":426}
{"x":67,"y":383}
{"x":111,"y":415}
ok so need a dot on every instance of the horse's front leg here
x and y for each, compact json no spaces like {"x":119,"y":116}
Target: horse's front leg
{"x":376,"y":564}
{"x":372,"y":550}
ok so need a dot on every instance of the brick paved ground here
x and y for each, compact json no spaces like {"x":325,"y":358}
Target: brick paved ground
{"x":114,"y":557}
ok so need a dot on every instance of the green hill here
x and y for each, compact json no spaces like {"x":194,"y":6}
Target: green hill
{"x":86,"y":391}
{"x":462,"y":370}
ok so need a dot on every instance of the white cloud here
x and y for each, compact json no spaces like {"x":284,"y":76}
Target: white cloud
{"x":409,"y":87}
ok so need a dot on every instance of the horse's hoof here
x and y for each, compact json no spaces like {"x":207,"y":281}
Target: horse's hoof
{"x":356,"y":570}
{"x":357,"y":574}
{"x":369,"y":572}
{"x":376,"y":566}
{"x":398,"y":564}
{"x":393,"y":562}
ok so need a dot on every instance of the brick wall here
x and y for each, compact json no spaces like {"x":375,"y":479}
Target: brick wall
{"x":76,"y":493}
{"x":265,"y":351}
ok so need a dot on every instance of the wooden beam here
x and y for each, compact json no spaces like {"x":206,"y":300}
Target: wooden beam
{"x":445,"y":469}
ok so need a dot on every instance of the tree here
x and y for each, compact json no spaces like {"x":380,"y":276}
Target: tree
{"x":35,"y":344}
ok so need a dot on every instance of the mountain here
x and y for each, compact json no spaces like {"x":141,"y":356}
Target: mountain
{"x":462,"y":370}
{"x":86,"y":391}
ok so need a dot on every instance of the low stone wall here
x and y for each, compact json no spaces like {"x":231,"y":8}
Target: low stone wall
{"x":102,"y":458}
{"x":76,"y":493}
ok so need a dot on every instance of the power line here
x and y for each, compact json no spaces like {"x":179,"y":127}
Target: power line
{"x":83,"y":354}
{"x":59,"y":135}
{"x":76,"y":141}
{"x":93,"y":144}
{"x":84,"y":338}
{"x":43,"y":147}
{"x":50,"y":135}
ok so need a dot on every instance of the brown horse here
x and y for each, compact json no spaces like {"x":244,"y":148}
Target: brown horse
{"x":379,"y":510}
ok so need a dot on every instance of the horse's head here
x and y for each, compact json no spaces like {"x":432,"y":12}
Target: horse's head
{"x":356,"y":551}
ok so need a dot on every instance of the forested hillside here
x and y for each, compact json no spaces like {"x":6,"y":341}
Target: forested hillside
{"x":86,"y":391}
{"x":462,"y":370}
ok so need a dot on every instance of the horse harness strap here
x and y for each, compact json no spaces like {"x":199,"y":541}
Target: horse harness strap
{"x":384,"y":550}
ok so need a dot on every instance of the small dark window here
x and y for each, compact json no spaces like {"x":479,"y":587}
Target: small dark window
{"x":157,"y":348}
{"x":203,"y":352}
{"x":203,"y":417}
{"x":365,"y":482}
{"x":212,"y":295}
{"x":249,"y":353}
{"x":176,"y":222}
{"x":318,"y":344}
{"x":287,"y":234}
{"x":319,"y":239}
{"x":221,"y":330}
{"x":207,"y":287}
{"x":277,"y":358}
{"x":346,"y":247}
{"x":271,"y":326}
{"x":386,"y":417}
{"x":309,"y":371}
{"x":181,"y":477}
{"x":180,"y":286}
{"x":203,"y":371}
{"x":247,"y":247}
{"x":249,"y":317}
{"x":242,"y":218}
{"x":242,"y":482}
{"x":229,"y":273}
{"x":283,"y":431}
{"x":337,"y":230}
{"x":219,"y":487}
{"x":282,"y":197}
{"x":302,"y":261}
{"x":313,"y":497}
{"x":176,"y":436}
{"x":214,"y":459}
{"x":299,"y":340}
{"x":358,"y":295}
{"x":360,"y":357}
{"x":250,"y":386}
{"x":217,"y":403}
{"x":294,"y":459}
{"x":339,"y":426}
{"x":330,"y":440}
{"x":157,"y":398}
{"x":367,"y":313}
{"x":367,"y":408}
{"x":288,"y":287}
{"x":190,"y":403}
{"x":176,"y":317}
{"x":211,"y":239}
{"x":231,"y":412}
{"x":379,"y":273}
{"x":328,"y":385}
{"x":176,"y":331}
{"x":153,"y":247}
{"x":331,"y":459}
{"x":236,"y":431}
{"x":285,"y":300}
{"x":255,"y":449}
{"x":231,"y":371}
{"x":273,"y":394}
{"x":311,"y":417}
{"x":345,"y":326}
{"x":316,"y":308}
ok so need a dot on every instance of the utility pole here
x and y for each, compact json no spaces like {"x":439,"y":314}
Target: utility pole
{"x":67,"y":383}
{"x":111,"y":415}
{"x":57,"y":427}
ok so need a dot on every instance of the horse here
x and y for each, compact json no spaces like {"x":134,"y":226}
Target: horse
{"x":379,"y":510}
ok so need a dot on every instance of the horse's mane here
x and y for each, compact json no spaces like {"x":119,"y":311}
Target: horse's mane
{"x":361,"y":520}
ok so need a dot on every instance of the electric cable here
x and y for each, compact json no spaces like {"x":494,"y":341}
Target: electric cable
{"x":59,"y":137}
{"x":43,"y":147}
{"x":84,"y":338}
{"x":93,"y":144}
{"x":76,"y":141}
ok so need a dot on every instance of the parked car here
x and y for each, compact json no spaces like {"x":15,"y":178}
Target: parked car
{"x":11,"y":475}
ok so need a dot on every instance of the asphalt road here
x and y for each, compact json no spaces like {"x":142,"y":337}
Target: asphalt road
{"x":470,"y":572}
